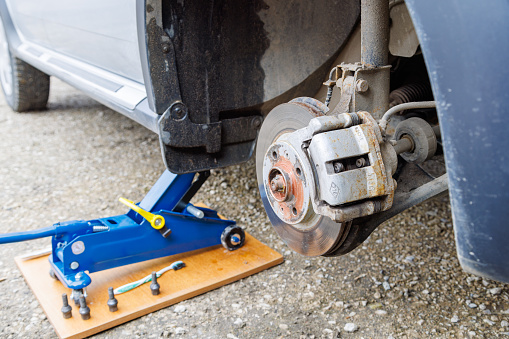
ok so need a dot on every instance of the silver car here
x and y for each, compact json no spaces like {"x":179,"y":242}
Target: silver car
{"x":349,"y":101}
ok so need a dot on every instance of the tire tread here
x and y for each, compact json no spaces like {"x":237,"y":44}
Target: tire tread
{"x":30,"y":87}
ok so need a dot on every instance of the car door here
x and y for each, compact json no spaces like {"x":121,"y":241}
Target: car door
{"x":100,"y":33}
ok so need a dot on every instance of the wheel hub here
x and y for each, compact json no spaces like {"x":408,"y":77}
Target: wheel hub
{"x":285,"y":182}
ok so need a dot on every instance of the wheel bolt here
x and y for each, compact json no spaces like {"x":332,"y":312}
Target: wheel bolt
{"x":154,"y":287}
{"x":84,"y":309}
{"x":112,"y":301}
{"x":66,"y":309}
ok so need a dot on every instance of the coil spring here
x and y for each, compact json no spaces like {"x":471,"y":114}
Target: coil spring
{"x":410,"y":93}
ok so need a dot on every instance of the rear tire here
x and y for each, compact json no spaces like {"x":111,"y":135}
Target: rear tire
{"x":25,"y":88}
{"x":30,"y":88}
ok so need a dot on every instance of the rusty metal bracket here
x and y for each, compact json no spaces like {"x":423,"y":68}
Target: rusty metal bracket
{"x":177,"y":130}
{"x":363,"y":88}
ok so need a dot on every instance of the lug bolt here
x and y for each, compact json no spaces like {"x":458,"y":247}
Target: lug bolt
{"x":112,"y":301}
{"x":338,"y":167}
{"x":361,"y":162}
{"x":66,"y":309}
{"x":154,"y":287}
{"x":84,"y":309}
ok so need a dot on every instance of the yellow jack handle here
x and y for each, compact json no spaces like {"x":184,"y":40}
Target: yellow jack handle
{"x":156,"y":221}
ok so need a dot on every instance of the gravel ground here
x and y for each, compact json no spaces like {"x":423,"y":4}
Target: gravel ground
{"x":73,"y":162}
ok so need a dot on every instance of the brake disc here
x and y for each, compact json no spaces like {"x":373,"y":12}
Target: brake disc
{"x":288,"y":208}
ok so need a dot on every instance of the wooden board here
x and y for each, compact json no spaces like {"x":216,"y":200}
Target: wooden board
{"x":205,"y":270}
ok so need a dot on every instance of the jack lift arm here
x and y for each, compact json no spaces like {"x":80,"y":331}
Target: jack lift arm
{"x":164,"y":223}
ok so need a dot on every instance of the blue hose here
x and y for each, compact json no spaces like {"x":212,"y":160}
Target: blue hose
{"x":27,"y":235}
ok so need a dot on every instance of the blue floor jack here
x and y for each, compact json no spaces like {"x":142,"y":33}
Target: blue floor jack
{"x":164,"y":223}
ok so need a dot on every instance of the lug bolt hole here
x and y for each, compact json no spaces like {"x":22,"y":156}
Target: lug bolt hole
{"x":294,"y":211}
{"x":299,"y":172}
{"x":274,"y":155}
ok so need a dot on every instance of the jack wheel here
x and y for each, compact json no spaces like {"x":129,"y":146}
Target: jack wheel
{"x":52,"y":274}
{"x":233,"y":237}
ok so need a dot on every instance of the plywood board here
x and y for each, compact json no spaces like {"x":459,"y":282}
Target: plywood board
{"x":205,"y":270}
